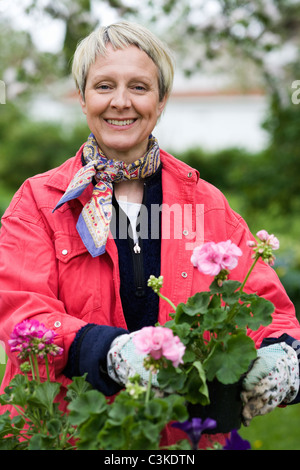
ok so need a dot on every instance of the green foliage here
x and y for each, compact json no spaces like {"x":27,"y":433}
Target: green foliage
{"x":128,"y":423}
{"x":225,"y":313}
{"x":33,"y":147}
{"x":39,"y":425}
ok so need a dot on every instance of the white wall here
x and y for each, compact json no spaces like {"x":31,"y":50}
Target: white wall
{"x":213,"y":122}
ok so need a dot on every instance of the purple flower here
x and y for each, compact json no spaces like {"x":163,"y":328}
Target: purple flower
{"x":235,"y":442}
{"x":194,"y":428}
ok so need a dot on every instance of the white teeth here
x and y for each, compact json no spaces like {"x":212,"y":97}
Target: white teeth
{"x":120,"y":123}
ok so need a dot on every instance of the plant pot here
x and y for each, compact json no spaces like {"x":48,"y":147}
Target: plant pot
{"x":225,"y":407}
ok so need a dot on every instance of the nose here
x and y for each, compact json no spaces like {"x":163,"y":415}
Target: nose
{"x":121,"y":98}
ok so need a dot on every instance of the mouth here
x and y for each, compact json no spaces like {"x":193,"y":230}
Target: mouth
{"x":120,"y":122}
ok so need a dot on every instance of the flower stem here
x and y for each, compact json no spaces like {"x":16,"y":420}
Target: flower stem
{"x":167,"y":300}
{"x":32,"y":367}
{"x":47,"y":368}
{"x":148,"y":387}
{"x":36,"y":367}
{"x":249,"y":272}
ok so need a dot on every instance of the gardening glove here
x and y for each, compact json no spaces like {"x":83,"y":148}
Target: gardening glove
{"x":123,"y":361}
{"x":273,"y":379}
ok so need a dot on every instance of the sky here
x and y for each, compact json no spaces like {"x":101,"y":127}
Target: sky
{"x":47,"y":34}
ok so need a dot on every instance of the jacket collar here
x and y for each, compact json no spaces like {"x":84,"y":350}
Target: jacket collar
{"x":179,"y":169}
{"x":61,"y":177}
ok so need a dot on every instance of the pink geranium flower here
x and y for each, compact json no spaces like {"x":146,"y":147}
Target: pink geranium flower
{"x":32,"y":337}
{"x":271,"y":240}
{"x":264,"y":248}
{"x":159,"y":342}
{"x":211,"y":258}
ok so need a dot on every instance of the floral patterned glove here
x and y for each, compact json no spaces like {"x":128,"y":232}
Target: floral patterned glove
{"x":273,"y":379}
{"x":124,"y":362}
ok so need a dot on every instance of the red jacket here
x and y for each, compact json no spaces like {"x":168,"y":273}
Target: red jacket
{"x":46,"y":272}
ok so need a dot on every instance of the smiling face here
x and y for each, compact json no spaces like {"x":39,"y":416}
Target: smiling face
{"x":122,"y":103}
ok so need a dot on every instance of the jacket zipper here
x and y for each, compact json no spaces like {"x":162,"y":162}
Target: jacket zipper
{"x":138,"y":261}
{"x":138,"y":269}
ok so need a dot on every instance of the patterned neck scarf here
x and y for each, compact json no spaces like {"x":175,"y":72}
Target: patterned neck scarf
{"x":94,"y":220}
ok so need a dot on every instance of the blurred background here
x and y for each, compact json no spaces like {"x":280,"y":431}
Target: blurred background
{"x":234,"y":113}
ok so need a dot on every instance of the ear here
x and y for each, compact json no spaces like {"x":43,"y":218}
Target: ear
{"x":162,"y":104}
{"x":82,"y":102}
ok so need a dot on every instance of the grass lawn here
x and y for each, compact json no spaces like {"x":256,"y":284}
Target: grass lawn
{"x":279,"y":430}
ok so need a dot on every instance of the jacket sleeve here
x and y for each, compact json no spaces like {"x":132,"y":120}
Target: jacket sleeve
{"x":28,"y":284}
{"x":29,"y":287}
{"x":265,"y":282}
{"x":88,"y":354}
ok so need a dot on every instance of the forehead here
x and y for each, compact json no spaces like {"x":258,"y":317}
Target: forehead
{"x":123,"y":62}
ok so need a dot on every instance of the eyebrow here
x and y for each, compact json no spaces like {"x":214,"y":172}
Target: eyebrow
{"x":138,"y":78}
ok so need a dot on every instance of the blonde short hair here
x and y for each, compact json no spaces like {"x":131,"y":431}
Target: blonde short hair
{"x":121,"y":35}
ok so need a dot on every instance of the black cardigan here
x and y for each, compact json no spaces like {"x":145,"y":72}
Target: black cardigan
{"x":89,"y":349}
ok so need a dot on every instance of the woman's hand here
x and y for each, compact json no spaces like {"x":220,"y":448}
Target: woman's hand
{"x":124,"y":362}
{"x":273,"y":379}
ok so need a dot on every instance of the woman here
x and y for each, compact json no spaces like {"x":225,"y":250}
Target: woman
{"x":71,"y":258}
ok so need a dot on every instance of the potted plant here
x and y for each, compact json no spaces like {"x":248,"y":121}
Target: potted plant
{"x":212,"y":326}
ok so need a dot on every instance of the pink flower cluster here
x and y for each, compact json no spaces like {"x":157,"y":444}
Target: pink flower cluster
{"x":32,"y":337}
{"x":211,"y":258}
{"x":159,"y":342}
{"x":270,"y":240}
{"x":265,"y":247}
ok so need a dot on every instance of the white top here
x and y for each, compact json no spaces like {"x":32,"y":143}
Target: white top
{"x":132,"y":210}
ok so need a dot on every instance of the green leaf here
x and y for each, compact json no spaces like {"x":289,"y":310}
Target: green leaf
{"x":149,"y":430}
{"x":77,"y":387}
{"x":18,"y":422}
{"x":155,"y":408}
{"x":112,"y":438}
{"x":40,"y":442}
{"x":228,"y":363}
{"x":177,"y":407}
{"x":89,"y":404}
{"x":228,"y":290}
{"x":89,"y":431}
{"x":195,"y":389}
{"x":243,"y":316}
{"x":120,"y":412}
{"x":171,"y":377}
{"x":44,"y":394}
{"x":196,"y":305}
{"x":215,"y":319}
{"x":17,"y":392}
{"x":262,"y":310}
{"x":5,"y":424}
{"x":10,"y":443}
{"x":54,"y":426}
{"x":182,"y":330}
{"x":203,"y":388}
